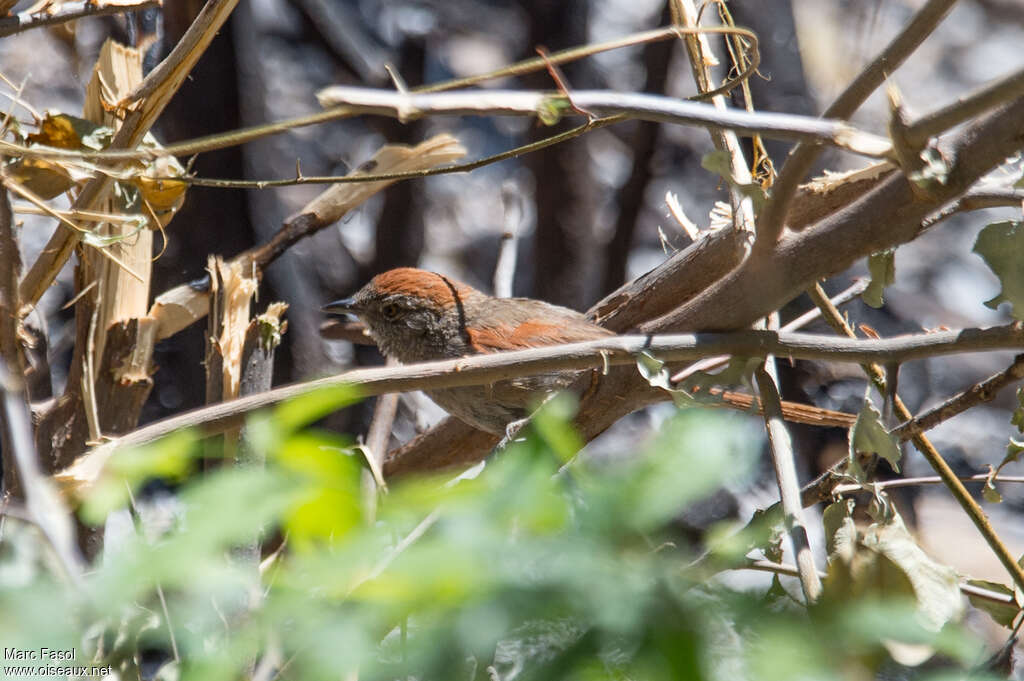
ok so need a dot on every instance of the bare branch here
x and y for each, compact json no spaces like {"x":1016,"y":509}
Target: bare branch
{"x":925,"y":480}
{"x":979,"y":393}
{"x":966,"y":107}
{"x":237,"y":137}
{"x":785,"y":475}
{"x":889,"y":215}
{"x":70,"y":11}
{"x":406,"y":106}
{"x":619,"y":350}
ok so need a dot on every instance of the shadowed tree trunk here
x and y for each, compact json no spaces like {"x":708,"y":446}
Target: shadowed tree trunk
{"x":212,"y":220}
{"x":657,"y":58}
{"x":564,"y":250}
{"x":399,"y":236}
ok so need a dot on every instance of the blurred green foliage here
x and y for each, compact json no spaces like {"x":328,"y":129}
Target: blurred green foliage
{"x":543,"y":566}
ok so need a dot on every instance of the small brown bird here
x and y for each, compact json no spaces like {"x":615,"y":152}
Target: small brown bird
{"x":418,"y":316}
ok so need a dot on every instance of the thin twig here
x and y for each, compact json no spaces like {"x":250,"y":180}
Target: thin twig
{"x":61,"y":217}
{"x":390,"y":177}
{"x":649,"y":107}
{"x":841,"y":298}
{"x":407,"y":541}
{"x":723,"y":139}
{"x":977,"y":199}
{"x":923,"y":480}
{"x":966,"y":107}
{"x":802,"y":157}
{"x":69,"y":10}
{"x":820,"y":489}
{"x":244,"y":135}
{"x":979,"y":393}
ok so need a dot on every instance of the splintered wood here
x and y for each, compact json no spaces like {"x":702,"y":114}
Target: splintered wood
{"x":118,"y":295}
{"x":232,"y":290}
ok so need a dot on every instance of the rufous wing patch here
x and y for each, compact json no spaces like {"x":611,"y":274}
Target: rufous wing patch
{"x":532,"y":333}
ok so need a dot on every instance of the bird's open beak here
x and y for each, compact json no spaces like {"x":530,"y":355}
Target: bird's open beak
{"x":343,"y":306}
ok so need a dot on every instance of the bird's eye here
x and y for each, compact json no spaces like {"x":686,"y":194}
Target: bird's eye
{"x":391,"y":311}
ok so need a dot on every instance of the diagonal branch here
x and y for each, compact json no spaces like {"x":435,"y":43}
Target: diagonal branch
{"x":785,"y":474}
{"x":803,"y":156}
{"x":70,"y":11}
{"x":887,"y":216}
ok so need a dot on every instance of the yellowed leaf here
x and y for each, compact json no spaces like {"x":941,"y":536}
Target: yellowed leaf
{"x":43,"y":178}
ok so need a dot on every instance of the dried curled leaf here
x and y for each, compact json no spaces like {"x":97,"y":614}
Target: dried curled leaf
{"x":162,"y":196}
{"x":43,"y":178}
{"x":71,"y":132}
{"x":883,"y":561}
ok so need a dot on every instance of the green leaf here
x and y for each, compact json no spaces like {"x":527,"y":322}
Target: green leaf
{"x":327,"y":475}
{"x":882,"y":267}
{"x":991,"y":494}
{"x":869,"y":435}
{"x":551,"y":109}
{"x":1013,"y":452}
{"x":657,"y":375}
{"x":169,"y":458}
{"x":305,"y":409}
{"x":1001,"y":245}
{"x":695,"y":452}
{"x":553,"y":423}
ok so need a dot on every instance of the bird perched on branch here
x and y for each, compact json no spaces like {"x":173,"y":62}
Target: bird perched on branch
{"x":418,"y":316}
